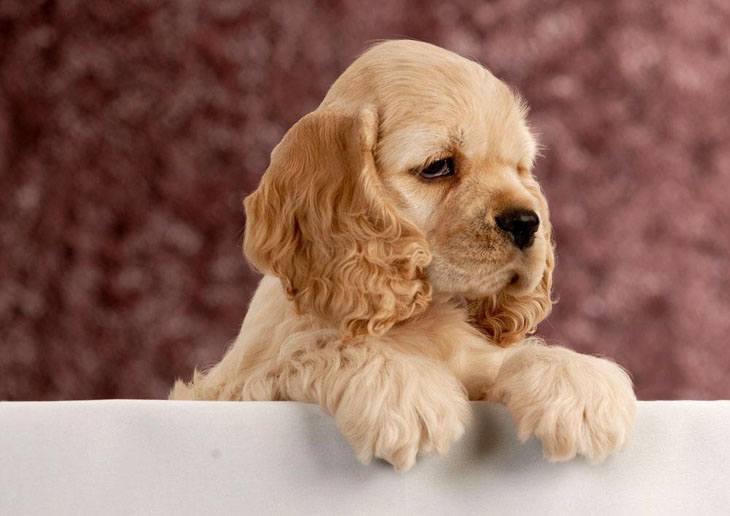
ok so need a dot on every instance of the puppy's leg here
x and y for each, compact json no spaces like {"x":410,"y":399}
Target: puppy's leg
{"x":224,"y":380}
{"x":574,"y":403}
{"x":387,"y":404}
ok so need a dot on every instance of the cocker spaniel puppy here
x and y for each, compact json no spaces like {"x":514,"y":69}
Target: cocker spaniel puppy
{"x":407,"y":256}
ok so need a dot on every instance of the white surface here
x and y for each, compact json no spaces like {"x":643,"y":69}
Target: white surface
{"x":161,"y":457}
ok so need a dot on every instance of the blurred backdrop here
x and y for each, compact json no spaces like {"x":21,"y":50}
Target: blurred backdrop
{"x":131,"y":131}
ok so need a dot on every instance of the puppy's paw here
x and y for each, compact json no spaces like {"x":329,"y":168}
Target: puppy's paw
{"x":575,"y":404}
{"x":403,"y":410}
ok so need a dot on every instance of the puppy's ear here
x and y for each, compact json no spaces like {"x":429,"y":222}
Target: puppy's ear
{"x":508,"y":318}
{"x":319,"y":221}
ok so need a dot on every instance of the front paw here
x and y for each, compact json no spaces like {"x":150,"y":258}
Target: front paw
{"x":575,"y":404}
{"x":402,"y":411}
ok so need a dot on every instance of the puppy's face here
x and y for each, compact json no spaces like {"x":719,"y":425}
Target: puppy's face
{"x":455,"y":156}
{"x":413,"y":176}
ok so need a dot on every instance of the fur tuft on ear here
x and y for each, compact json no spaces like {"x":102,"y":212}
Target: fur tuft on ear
{"x":507,"y":318}
{"x":320,"y":222}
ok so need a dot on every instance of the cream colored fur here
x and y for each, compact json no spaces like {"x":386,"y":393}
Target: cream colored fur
{"x":390,"y":300}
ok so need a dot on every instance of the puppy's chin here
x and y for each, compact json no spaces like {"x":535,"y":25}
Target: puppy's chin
{"x":525,"y":280}
{"x":445,"y":278}
{"x":516,"y":277}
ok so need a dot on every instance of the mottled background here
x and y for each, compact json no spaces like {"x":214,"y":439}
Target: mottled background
{"x":130,"y":131}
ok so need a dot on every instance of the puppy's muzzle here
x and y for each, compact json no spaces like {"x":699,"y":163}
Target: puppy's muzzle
{"x":521,"y":225}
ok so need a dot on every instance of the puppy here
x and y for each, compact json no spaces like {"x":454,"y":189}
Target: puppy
{"x":407,"y":255}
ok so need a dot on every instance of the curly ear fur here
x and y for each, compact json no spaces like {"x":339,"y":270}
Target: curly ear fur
{"x":508,"y":318}
{"x":319,"y":222}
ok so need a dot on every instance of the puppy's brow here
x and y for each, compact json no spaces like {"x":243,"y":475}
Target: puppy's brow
{"x":414,"y":146}
{"x":457,"y":139}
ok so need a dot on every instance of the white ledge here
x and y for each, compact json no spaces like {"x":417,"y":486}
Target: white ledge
{"x":161,"y":457}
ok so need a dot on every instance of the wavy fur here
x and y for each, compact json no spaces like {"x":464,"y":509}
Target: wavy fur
{"x":319,"y":222}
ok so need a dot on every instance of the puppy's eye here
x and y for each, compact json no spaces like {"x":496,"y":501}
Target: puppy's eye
{"x":440,"y":168}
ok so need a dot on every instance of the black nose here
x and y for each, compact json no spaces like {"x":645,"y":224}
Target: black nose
{"x":521,"y":224}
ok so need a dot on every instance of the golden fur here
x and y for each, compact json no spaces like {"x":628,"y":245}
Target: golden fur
{"x":391,"y":300}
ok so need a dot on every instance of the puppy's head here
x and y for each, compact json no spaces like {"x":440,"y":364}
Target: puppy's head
{"x":414,"y":174}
